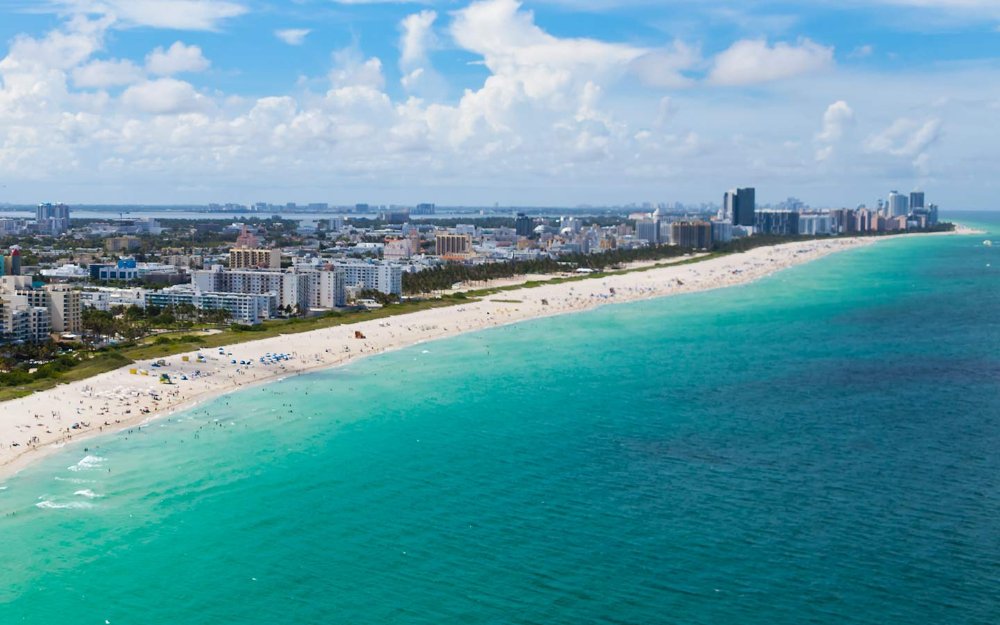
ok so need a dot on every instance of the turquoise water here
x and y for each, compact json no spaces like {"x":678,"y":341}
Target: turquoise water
{"x":819,"y":447}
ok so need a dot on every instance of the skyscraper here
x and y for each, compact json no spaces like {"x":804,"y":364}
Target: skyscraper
{"x":52,"y":218}
{"x":897,"y":205}
{"x":916,"y":200}
{"x":728,"y":205}
{"x":524,"y":225}
{"x":744,"y":207}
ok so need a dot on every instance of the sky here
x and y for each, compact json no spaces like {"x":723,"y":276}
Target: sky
{"x":516,"y":103}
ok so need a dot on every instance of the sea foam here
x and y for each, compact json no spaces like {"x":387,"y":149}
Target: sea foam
{"x":72,"y":505}
{"x":88,"y":462}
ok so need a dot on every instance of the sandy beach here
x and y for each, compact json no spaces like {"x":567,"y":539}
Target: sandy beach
{"x":69,"y":413}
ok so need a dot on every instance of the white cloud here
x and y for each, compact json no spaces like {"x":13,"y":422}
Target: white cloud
{"x":512,"y":44}
{"x":905,"y":137}
{"x":836,"y":119}
{"x":664,"y":68}
{"x":177,"y":59}
{"x":104,"y":74}
{"x":173,"y":14}
{"x":417,"y":37}
{"x":293,"y":36}
{"x":60,"y":49}
{"x":351,"y":69}
{"x":165,"y":96}
{"x":749,"y":61}
{"x":555,"y":119}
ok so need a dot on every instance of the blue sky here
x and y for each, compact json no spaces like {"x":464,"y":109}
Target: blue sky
{"x":559,"y":102}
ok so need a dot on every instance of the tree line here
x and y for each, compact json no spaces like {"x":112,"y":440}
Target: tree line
{"x":445,"y":276}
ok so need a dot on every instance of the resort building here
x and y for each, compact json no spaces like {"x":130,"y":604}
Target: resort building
{"x":298,"y":288}
{"x":242,"y":307}
{"x":453,"y":245}
{"x":695,"y":235}
{"x":30,"y":315}
{"x":377,"y":276}
{"x":254,"y":258}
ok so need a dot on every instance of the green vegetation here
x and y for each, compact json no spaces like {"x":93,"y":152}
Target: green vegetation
{"x":445,"y":277}
{"x":83,"y":367}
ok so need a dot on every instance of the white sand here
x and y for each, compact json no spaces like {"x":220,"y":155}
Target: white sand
{"x":117,"y":400}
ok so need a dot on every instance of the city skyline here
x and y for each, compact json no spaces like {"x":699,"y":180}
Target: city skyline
{"x":477,"y":103}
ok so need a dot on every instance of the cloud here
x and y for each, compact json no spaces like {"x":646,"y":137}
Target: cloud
{"x":749,"y":61}
{"x":552,"y":119}
{"x":511,"y":43}
{"x":293,"y":36}
{"x":417,"y":37}
{"x":172,"y":14}
{"x":165,"y":96}
{"x":177,"y":59}
{"x":351,"y":69}
{"x":862,"y":52}
{"x":905,"y":137}
{"x":837,"y":117}
{"x":104,"y":74}
{"x":60,"y":49}
{"x":665,"y":68}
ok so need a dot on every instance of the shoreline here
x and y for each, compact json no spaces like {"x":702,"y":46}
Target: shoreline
{"x":43,"y":423}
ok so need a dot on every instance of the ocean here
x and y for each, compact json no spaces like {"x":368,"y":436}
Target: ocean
{"x":821,"y":446}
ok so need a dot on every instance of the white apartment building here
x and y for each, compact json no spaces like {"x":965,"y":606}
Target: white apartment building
{"x":247,"y":308}
{"x":20,"y":301}
{"x":384,"y":277}
{"x":303,"y":288}
{"x":106,"y":298}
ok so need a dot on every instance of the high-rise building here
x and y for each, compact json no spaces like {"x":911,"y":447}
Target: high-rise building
{"x":692,"y":235}
{"x":52,"y":218}
{"x":248,"y":308}
{"x":29,"y":314}
{"x":722,"y":232}
{"x":247,"y":258}
{"x":362,"y":274}
{"x":776,"y":222}
{"x":740,"y":205}
{"x":647,"y":230}
{"x":298,"y":288}
{"x":64,"y":308}
{"x":455,"y":245}
{"x":897,"y":205}
{"x":423,"y":209}
{"x":654,"y":229}
{"x":916,"y":200}
{"x":728,"y":205}
{"x":524,"y":225}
